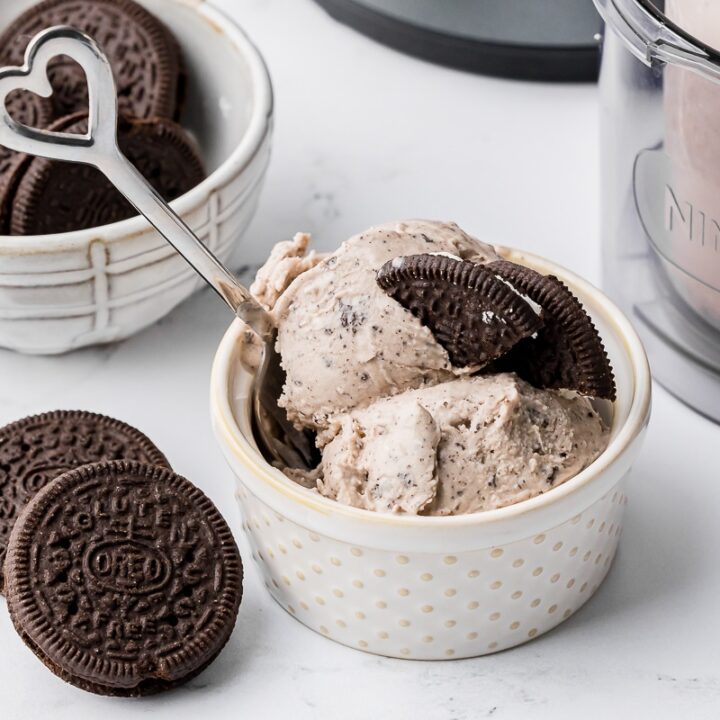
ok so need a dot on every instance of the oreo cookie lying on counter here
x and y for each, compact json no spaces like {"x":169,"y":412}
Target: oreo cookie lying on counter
{"x":123,"y":578}
{"x":120,"y":575}
{"x":40,"y":196}
{"x":37,"y":449}
{"x":507,"y":314}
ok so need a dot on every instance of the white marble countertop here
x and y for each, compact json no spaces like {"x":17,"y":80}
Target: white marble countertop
{"x":365,"y":135}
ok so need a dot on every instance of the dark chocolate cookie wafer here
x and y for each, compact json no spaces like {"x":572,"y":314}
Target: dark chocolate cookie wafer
{"x":15,"y":169}
{"x":55,"y":197}
{"x":567,"y":352}
{"x":124,"y":579}
{"x":31,"y":110}
{"x":37,"y":449}
{"x":145,"y":57}
{"x":474,"y":315}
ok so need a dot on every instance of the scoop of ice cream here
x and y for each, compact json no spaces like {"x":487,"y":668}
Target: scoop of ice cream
{"x":342,"y":340}
{"x":287,"y":260}
{"x":383,"y":457}
{"x":471,"y":444}
{"x":400,"y":428}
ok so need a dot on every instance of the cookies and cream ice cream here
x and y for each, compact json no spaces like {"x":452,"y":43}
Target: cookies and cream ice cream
{"x":343,"y":341}
{"x":470,"y":444}
{"x":401,"y":429}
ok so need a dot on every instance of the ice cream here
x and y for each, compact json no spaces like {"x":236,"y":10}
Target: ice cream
{"x":400,"y":428}
{"x":471,"y":444}
{"x":287,"y":260}
{"x":345,"y":343}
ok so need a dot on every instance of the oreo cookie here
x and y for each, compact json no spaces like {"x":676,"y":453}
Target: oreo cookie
{"x":31,"y":110}
{"x":15,"y":168}
{"x":145,"y":57}
{"x":38,"y":449}
{"x":55,"y":197}
{"x":123,"y":578}
{"x":473,"y":314}
{"x":567,"y":352}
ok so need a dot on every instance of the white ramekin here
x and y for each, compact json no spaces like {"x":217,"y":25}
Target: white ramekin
{"x":65,"y":291}
{"x":437,"y":587}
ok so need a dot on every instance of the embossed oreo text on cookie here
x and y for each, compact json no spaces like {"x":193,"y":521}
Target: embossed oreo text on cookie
{"x":127,"y":567}
{"x":124,"y":577}
{"x":37,"y":449}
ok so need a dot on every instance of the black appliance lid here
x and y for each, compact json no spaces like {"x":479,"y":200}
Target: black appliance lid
{"x":525,"y":39}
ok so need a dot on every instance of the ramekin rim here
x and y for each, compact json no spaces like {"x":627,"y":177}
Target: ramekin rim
{"x":235,"y":163}
{"x":637,"y":418}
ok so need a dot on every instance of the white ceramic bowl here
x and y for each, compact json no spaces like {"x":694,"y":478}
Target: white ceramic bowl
{"x":437,"y":587}
{"x":64,"y":291}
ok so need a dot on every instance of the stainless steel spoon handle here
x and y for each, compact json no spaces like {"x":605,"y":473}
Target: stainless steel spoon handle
{"x":99,"y":148}
{"x":128,"y":180}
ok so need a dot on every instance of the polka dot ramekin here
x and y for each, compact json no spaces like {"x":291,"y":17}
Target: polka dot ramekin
{"x":437,"y":587}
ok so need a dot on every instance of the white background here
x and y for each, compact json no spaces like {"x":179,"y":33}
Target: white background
{"x":365,"y":135}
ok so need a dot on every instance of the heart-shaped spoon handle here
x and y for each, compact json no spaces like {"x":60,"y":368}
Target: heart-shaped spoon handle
{"x":99,"y":148}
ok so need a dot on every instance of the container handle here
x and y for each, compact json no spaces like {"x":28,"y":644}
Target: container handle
{"x":652,"y":41}
{"x":670,"y":54}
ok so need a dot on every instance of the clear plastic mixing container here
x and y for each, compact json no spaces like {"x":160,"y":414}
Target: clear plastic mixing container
{"x":660,"y":99}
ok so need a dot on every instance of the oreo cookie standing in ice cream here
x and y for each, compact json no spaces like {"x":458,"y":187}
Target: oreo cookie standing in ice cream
{"x":56,"y":197}
{"x":145,"y":57}
{"x":473,"y":314}
{"x":38,"y":449}
{"x":567,"y":352}
{"x":123,"y":578}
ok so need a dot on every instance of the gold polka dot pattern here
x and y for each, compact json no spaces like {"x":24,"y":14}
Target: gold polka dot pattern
{"x":406,"y":604}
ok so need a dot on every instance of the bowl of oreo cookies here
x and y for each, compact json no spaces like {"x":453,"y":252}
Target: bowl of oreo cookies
{"x":78,"y":266}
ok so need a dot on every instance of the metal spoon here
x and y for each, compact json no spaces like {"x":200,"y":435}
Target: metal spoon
{"x":99,"y":148}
